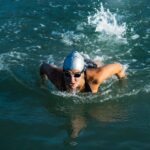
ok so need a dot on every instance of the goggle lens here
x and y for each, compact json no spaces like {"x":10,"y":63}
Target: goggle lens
{"x":76,"y":75}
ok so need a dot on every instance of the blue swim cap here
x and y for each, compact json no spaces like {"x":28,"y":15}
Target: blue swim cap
{"x":74,"y":60}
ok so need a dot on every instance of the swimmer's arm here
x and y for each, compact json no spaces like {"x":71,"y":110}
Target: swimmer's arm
{"x":46,"y":69}
{"x":51,"y":72}
{"x":95,"y":77}
{"x":109,"y":70}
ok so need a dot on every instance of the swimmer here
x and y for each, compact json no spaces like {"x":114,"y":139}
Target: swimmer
{"x":79,"y":74}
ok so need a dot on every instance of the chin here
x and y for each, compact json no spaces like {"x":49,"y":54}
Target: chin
{"x":74,"y":91}
{"x":73,"y":88}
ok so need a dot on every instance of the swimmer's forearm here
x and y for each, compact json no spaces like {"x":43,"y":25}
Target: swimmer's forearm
{"x":110,"y":70}
{"x":117,"y":69}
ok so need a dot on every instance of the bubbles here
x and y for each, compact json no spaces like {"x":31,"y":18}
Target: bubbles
{"x":105,"y":22}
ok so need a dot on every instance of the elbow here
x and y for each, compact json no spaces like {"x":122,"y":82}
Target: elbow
{"x":121,"y":72}
{"x":42,"y":69}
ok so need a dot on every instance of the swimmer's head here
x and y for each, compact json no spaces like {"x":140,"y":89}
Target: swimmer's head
{"x":74,"y":60}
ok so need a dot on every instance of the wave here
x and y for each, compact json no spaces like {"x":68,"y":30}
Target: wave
{"x":100,"y":97}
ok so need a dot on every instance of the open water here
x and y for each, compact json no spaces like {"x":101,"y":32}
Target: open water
{"x":35,"y":117}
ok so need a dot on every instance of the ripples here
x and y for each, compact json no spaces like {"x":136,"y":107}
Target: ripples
{"x":107,"y":95}
{"x":22,"y":111}
{"x":11,"y":58}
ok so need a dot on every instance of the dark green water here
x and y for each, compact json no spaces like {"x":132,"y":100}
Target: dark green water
{"x":33,"y":117}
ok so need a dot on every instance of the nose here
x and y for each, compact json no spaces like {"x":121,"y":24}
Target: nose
{"x":72,"y":79}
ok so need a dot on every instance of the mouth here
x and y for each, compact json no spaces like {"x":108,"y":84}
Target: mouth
{"x":72,"y":86}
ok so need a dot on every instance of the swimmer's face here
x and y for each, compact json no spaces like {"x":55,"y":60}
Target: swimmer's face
{"x":73,"y":79}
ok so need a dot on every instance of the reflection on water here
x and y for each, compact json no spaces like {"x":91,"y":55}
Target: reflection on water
{"x":79,"y":116}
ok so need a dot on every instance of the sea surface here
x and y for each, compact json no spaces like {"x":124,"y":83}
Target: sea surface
{"x":34,"y":116}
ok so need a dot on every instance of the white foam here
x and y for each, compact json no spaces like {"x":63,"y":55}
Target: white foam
{"x":104,"y":21}
{"x":80,"y":27}
{"x":70,"y":37}
{"x":42,"y":25}
{"x":67,"y":37}
{"x":135,"y":36}
{"x":66,"y":94}
{"x":33,"y":48}
{"x":147,"y":88}
{"x":35,"y":29}
{"x":100,"y":97}
{"x":125,"y":67}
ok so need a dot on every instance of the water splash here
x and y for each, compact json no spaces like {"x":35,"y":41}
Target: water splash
{"x":105,"y":22}
{"x":87,"y":98}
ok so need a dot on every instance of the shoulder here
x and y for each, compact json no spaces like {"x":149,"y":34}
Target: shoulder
{"x":92,"y":79}
{"x":92,"y":72}
{"x":54,"y":74}
{"x":45,"y":67}
{"x":51,"y":71}
{"x":92,"y":76}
